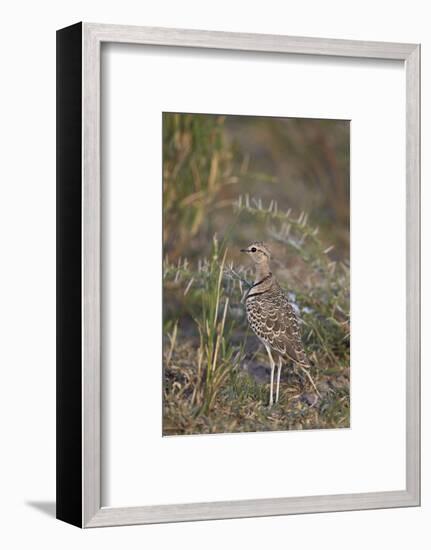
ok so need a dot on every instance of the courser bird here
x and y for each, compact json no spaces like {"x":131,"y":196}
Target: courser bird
{"x":272,"y":318}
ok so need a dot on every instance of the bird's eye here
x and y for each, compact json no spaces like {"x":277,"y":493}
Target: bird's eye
{"x":253,"y":249}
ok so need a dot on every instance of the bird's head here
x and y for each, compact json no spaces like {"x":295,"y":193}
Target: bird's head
{"x":258,"y":251}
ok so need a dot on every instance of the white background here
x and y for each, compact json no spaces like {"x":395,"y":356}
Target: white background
{"x":27,"y":219}
{"x":137,"y":87}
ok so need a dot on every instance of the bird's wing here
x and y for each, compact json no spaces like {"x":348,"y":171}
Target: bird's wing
{"x":280,"y":328}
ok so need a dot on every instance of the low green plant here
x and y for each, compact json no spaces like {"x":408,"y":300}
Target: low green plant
{"x":215,"y":351}
{"x":216,"y":356}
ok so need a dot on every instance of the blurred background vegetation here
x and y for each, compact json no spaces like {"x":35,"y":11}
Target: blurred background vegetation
{"x":229,"y":180}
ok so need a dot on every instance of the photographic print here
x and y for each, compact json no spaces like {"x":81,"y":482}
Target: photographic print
{"x":256,"y":274}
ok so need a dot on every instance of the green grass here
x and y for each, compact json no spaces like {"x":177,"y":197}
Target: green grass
{"x":198,"y":171}
{"x":215,"y":352}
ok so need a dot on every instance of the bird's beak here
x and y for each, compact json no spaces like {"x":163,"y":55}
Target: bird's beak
{"x":243,"y":250}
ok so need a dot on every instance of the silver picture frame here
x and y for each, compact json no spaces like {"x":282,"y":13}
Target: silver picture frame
{"x":79,"y":274}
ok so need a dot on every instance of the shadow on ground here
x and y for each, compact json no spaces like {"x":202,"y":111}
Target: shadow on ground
{"x":45,"y":506}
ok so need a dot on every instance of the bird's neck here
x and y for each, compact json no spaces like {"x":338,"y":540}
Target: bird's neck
{"x":262,"y":271}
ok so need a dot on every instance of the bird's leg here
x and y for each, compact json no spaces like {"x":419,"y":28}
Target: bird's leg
{"x":271,"y":400}
{"x":271,"y":361}
{"x":278,"y":378}
{"x":305,"y":371}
